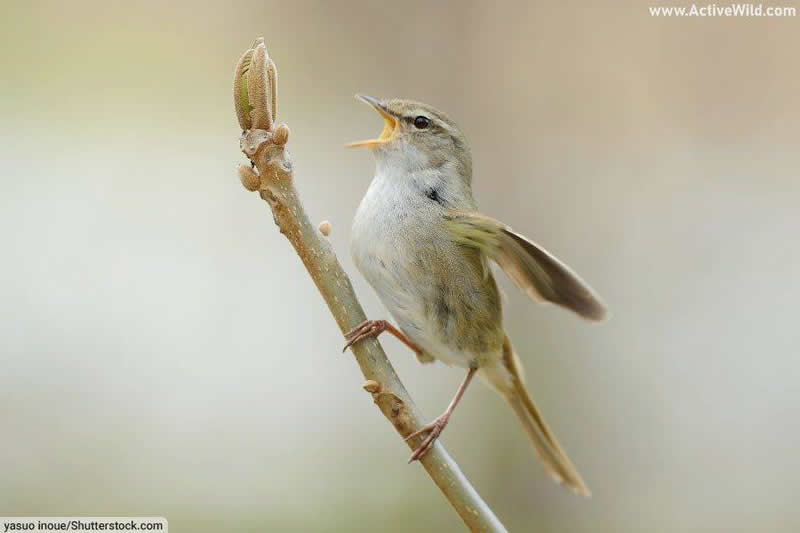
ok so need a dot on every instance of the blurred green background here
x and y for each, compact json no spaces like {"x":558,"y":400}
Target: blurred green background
{"x":164,"y":353}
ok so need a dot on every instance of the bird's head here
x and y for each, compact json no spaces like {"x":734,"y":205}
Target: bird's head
{"x":417,"y":136}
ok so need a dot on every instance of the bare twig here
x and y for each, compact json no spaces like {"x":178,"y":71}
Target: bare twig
{"x":264,"y":143}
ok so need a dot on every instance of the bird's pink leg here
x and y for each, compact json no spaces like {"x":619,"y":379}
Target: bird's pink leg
{"x":435,"y":428}
{"x":373,"y":328}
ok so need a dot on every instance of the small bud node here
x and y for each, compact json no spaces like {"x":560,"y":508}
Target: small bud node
{"x":249,"y":178}
{"x":324,"y":227}
{"x":372,"y":387}
{"x":281,"y":135}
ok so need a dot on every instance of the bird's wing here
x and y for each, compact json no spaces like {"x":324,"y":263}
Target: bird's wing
{"x":540,"y":275}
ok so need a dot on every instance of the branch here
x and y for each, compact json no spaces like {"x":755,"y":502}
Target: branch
{"x":264,"y":143}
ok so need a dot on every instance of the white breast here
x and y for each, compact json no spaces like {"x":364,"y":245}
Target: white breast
{"x":392,"y":227}
{"x":381,"y":244}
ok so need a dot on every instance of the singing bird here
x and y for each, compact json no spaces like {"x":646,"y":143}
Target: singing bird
{"x":419,"y":241}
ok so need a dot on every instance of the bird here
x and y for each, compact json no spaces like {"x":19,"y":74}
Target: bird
{"x":420,"y":242}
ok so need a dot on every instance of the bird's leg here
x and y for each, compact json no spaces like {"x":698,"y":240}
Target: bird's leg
{"x":435,"y":428}
{"x":373,"y":328}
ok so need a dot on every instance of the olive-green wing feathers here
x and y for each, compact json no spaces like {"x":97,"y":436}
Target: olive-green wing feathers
{"x":540,"y":275}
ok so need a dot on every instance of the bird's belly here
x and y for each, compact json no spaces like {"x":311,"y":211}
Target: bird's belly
{"x":409,"y":304}
{"x":405,"y":292}
{"x":434,"y":299}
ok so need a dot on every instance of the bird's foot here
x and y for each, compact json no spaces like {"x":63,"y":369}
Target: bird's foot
{"x":434,"y":429}
{"x":373,"y":328}
{"x":368,"y":328}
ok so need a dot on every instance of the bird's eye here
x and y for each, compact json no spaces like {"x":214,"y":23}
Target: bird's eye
{"x":422,"y":122}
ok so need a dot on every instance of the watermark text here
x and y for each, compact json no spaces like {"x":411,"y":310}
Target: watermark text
{"x":723,"y":10}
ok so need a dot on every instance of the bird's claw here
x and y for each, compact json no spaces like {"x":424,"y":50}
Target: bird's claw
{"x":434,"y":429}
{"x":368,"y":328}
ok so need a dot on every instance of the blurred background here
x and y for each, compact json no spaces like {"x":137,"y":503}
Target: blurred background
{"x":154,"y":343}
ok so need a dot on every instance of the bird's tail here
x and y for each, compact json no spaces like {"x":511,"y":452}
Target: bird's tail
{"x":507,"y":378}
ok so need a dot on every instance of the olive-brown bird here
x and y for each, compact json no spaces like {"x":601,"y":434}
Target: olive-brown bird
{"x":419,"y":241}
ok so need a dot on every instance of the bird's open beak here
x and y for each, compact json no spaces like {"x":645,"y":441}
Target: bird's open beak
{"x":388,"y":128}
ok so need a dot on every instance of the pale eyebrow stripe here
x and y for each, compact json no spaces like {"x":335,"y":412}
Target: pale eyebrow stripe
{"x":440,"y":120}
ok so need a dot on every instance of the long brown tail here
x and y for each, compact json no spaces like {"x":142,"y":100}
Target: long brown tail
{"x":509,"y":381}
